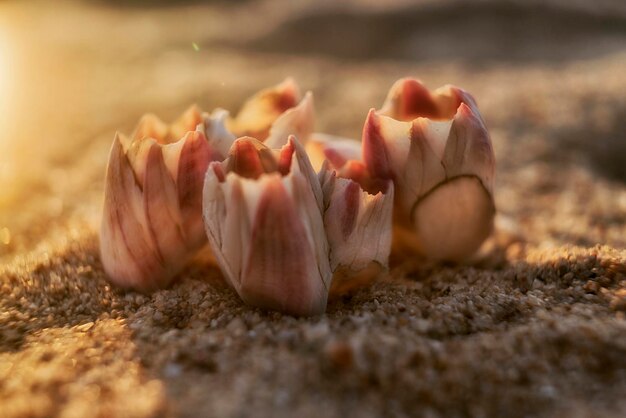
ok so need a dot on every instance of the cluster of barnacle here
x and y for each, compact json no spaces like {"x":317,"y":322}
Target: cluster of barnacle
{"x":288,"y":211}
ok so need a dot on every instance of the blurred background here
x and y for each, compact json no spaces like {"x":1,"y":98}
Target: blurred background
{"x":549,"y":77}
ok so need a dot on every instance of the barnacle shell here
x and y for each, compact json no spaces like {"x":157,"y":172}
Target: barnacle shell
{"x":436,"y":149}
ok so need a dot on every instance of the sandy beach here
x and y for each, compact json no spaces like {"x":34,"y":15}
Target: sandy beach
{"x":533,"y":325}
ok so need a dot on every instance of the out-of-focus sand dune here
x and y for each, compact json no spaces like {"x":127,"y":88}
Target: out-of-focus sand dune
{"x":535,"y":326}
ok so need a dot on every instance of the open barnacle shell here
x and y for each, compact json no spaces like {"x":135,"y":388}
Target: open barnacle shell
{"x":270,"y":116}
{"x":151,"y":126}
{"x":274,"y":113}
{"x":152,"y":215}
{"x":436,"y":149}
{"x":263,"y":217}
{"x":280,"y":232}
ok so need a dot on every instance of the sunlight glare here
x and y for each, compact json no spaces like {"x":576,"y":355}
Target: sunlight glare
{"x":3,"y":71}
{"x":6,"y":183}
{"x":4,"y":83}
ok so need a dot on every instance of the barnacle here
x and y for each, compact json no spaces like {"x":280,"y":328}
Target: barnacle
{"x":289,"y":212}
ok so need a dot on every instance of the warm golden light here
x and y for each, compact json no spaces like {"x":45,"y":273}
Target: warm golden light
{"x":5,"y":117}
{"x":4,"y":81}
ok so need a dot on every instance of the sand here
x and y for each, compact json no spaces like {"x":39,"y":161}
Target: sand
{"x":534,"y":325}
